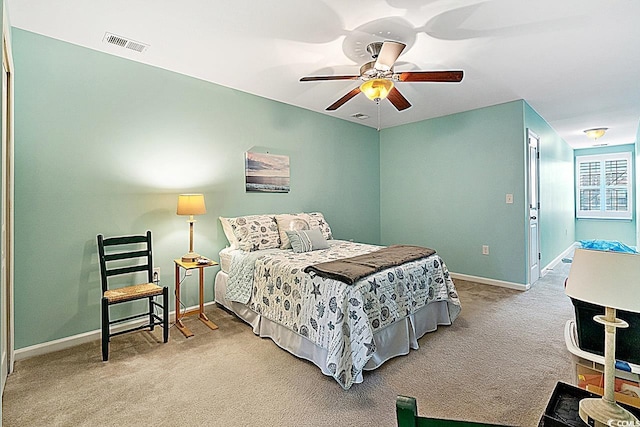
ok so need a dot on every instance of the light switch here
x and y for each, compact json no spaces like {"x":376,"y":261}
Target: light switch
{"x":509,"y":199}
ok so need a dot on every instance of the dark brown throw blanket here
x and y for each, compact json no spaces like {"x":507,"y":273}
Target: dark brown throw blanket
{"x":350,"y":270}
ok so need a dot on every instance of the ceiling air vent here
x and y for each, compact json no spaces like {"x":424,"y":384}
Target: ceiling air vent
{"x":124,"y":42}
{"x":360,"y":116}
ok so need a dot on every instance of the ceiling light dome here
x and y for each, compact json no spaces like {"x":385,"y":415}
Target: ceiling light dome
{"x":376,"y":89}
{"x":595,"y":133}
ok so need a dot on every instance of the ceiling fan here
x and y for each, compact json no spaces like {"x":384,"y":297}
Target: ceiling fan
{"x":379,"y":77}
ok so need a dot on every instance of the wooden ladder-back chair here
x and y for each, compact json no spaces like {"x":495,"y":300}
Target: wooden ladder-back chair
{"x":129,"y":255}
{"x":407,"y":416}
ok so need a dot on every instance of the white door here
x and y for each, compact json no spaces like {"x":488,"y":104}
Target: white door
{"x":534,"y":207}
{"x":4,"y":362}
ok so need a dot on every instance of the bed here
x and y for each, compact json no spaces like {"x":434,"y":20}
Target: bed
{"x":342,"y":328}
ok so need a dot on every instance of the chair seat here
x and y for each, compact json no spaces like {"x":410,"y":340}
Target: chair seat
{"x":133,"y":292}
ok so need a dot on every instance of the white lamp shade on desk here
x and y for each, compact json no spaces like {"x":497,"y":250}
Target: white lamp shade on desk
{"x":191,"y":204}
{"x":609,"y":279}
{"x":612,"y":280}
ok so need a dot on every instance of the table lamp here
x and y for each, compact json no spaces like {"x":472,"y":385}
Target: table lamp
{"x":191,"y":204}
{"x":611,"y":280}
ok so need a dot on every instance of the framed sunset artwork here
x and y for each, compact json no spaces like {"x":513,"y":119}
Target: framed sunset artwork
{"x":266,"y":173}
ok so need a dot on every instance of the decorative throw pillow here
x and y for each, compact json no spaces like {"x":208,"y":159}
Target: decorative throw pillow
{"x":255,"y":232}
{"x":307,"y":240}
{"x":290,"y":222}
{"x":228,"y":232}
{"x":316,"y":220}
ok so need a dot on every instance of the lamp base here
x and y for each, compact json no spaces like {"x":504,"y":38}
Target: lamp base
{"x":600,"y":413}
{"x":190,"y":257}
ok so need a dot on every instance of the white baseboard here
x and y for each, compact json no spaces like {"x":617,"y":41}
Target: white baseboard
{"x":67,"y":342}
{"x":494,"y":282}
{"x":517,"y":286}
{"x":557,"y":260}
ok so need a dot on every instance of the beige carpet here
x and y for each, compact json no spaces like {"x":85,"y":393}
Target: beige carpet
{"x":497,"y":363}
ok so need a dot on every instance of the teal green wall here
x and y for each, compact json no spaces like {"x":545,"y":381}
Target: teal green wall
{"x":608,"y":229}
{"x":556,"y":215}
{"x":105,"y":145}
{"x":444,"y":183}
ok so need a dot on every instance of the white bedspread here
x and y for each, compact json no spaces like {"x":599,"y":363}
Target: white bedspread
{"x":338,"y":317}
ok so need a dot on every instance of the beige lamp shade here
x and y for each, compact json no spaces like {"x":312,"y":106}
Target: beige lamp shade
{"x":609,"y":279}
{"x":191,"y":204}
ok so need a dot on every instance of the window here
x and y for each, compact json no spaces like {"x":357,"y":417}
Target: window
{"x":603,"y":186}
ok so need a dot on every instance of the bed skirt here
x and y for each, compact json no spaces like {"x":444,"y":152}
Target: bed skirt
{"x":394,"y":340}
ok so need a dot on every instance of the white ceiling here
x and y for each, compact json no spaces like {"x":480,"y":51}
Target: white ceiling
{"x":576,"y":62}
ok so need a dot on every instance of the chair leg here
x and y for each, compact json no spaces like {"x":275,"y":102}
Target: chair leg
{"x":105,"y":329}
{"x":165,"y":314}
{"x":151,"y":319}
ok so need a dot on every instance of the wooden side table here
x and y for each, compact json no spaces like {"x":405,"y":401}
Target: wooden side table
{"x":200,"y":310}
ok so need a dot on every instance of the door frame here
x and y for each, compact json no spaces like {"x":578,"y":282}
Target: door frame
{"x":7,"y":309}
{"x":533,"y":206}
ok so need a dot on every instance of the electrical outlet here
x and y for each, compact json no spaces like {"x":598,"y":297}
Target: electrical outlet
{"x":485,"y":250}
{"x":156,"y":275}
{"x":187,"y":273}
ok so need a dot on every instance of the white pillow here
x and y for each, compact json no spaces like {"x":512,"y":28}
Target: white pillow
{"x":290,"y":222}
{"x":316,"y":220}
{"x":253,"y":232}
{"x":301,"y":221}
{"x":228,"y":232}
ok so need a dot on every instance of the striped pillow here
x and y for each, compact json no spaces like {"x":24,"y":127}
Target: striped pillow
{"x":306,"y":240}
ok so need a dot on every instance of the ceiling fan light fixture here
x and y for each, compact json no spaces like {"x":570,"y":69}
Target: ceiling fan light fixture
{"x":595,"y":133}
{"x":376,"y":89}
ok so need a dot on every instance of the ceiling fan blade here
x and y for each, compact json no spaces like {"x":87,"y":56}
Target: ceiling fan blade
{"x":388,"y":55}
{"x":322,"y":78}
{"x":340,"y":102}
{"x":430,"y":76}
{"x":398,"y":100}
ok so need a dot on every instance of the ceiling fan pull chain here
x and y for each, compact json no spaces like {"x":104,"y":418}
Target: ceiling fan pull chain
{"x":378,"y":102}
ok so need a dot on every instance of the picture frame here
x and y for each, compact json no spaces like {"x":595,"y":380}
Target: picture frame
{"x":267,"y":173}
